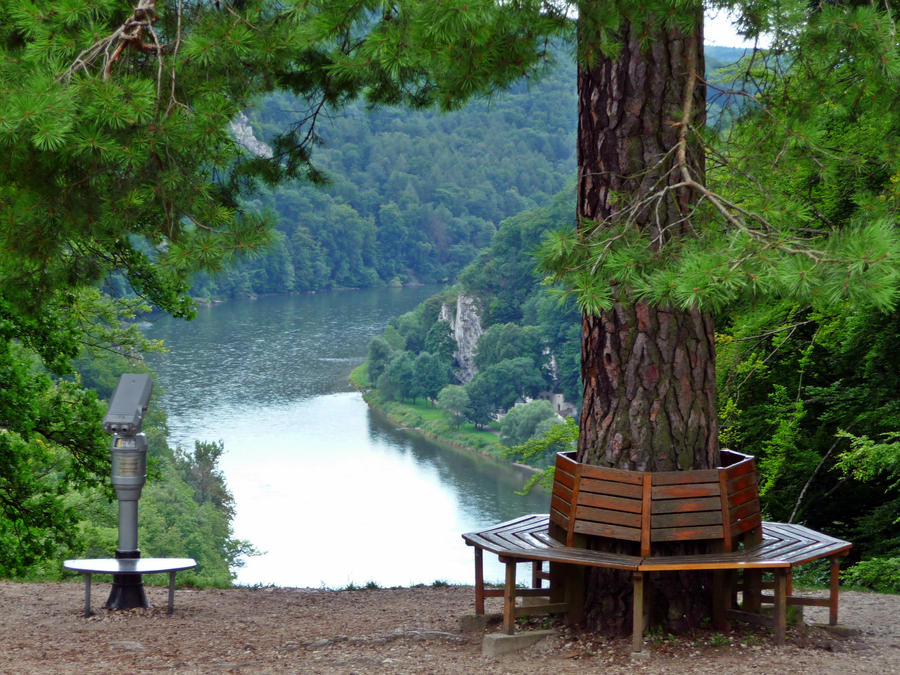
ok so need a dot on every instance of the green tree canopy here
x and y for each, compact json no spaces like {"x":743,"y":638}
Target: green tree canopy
{"x":522,"y":421}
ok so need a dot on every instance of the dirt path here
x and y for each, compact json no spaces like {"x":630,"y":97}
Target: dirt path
{"x":389,"y":631}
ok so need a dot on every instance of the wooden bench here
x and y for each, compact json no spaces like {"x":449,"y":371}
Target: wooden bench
{"x":642,"y":510}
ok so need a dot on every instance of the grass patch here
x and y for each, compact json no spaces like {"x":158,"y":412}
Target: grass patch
{"x":437,"y":424}
{"x":359,"y":377}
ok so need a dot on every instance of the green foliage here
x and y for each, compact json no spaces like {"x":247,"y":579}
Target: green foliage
{"x":380,"y":353}
{"x":507,"y":341}
{"x":51,"y":443}
{"x":800,"y":202}
{"x":867,"y":459}
{"x":807,"y":393}
{"x":881,"y":575}
{"x":412,"y":195}
{"x":455,"y":400}
{"x":431,"y":375}
{"x":521,"y":422}
{"x":397,"y":382}
{"x":541,"y":451}
{"x":440,"y":341}
{"x":437,"y":424}
{"x":498,"y":387}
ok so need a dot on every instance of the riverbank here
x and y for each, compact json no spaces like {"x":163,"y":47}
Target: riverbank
{"x":429,"y":421}
{"x":400,"y":630}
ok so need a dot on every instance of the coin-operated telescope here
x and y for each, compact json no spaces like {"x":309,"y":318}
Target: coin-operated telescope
{"x":129,"y":473}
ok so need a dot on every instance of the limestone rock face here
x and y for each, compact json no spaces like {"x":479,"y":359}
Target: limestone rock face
{"x":465,"y":322}
{"x":243,"y":133}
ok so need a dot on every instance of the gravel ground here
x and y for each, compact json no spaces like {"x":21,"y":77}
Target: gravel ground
{"x":406,"y":630}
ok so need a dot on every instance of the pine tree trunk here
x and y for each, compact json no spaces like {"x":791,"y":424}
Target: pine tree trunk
{"x":648,"y":373}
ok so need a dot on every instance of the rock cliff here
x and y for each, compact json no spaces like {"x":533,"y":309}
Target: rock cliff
{"x":465,"y":321}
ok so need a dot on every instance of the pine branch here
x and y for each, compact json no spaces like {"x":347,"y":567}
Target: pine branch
{"x":128,"y":34}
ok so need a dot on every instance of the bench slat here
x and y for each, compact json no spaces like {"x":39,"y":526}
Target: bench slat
{"x":685,"y":505}
{"x":741,"y":482}
{"x":607,"y":487}
{"x":743,"y":496}
{"x":743,"y":467}
{"x":682,"y":477}
{"x":564,"y":478}
{"x":686,"y":490}
{"x":688,"y":519}
{"x":608,"y":516}
{"x":605,"y":530}
{"x":687,"y":533}
{"x":594,"y":472}
{"x":606,"y":502}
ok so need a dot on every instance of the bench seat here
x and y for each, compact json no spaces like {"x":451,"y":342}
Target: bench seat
{"x":526,"y":539}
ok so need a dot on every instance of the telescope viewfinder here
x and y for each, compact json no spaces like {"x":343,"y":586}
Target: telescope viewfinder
{"x":128,"y":404}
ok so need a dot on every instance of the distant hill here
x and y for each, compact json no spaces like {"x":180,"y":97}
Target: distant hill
{"x":414,"y":195}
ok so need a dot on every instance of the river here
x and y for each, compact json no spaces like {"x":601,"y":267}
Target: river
{"x":328,"y":489}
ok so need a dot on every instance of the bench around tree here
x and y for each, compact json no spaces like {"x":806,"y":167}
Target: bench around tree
{"x":644,"y":509}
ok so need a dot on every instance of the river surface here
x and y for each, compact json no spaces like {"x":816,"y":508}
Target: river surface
{"x":329,"y":490}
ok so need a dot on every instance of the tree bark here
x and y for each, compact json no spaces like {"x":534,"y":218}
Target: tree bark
{"x":648,"y":372}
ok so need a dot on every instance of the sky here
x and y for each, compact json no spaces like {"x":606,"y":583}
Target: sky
{"x":719,"y":31}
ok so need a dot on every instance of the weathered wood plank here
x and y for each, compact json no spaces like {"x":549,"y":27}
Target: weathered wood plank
{"x":560,"y":519}
{"x":646,"y":515}
{"x":742,"y":482}
{"x":564,"y":478}
{"x":690,"y":519}
{"x":685,"y":505}
{"x":608,"y":502}
{"x":611,"y":531}
{"x":607,"y":487}
{"x":686,"y":490}
{"x":745,"y":510}
{"x":608,"y":516}
{"x":686,"y":533}
{"x":563,"y":492}
{"x":593,"y":472}
{"x":749,"y":523}
{"x":563,"y":506}
{"x":685,"y":477}
{"x":740,"y":468}
{"x":743,"y":496}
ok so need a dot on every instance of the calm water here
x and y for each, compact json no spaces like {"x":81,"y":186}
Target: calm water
{"x":330,"y":491}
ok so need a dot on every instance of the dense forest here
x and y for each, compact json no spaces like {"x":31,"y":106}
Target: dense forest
{"x":412,"y":196}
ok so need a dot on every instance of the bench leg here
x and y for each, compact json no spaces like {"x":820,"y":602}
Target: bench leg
{"x":780,"y":609}
{"x":752,"y":591}
{"x":87,"y":594}
{"x":479,"y":581}
{"x":171,"y":592}
{"x":574,"y":597}
{"x":723,"y":581}
{"x":835,"y":591}
{"x":637,"y":622}
{"x":509,"y":599}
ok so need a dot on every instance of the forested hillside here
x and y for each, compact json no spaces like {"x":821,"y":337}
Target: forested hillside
{"x":413,"y":195}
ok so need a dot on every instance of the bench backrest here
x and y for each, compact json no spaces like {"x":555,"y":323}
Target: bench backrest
{"x":649,"y":507}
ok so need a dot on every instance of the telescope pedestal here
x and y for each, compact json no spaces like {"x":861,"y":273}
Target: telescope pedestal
{"x":127,"y":589}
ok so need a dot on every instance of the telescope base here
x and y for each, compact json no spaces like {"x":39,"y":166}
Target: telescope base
{"x":127,"y":589}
